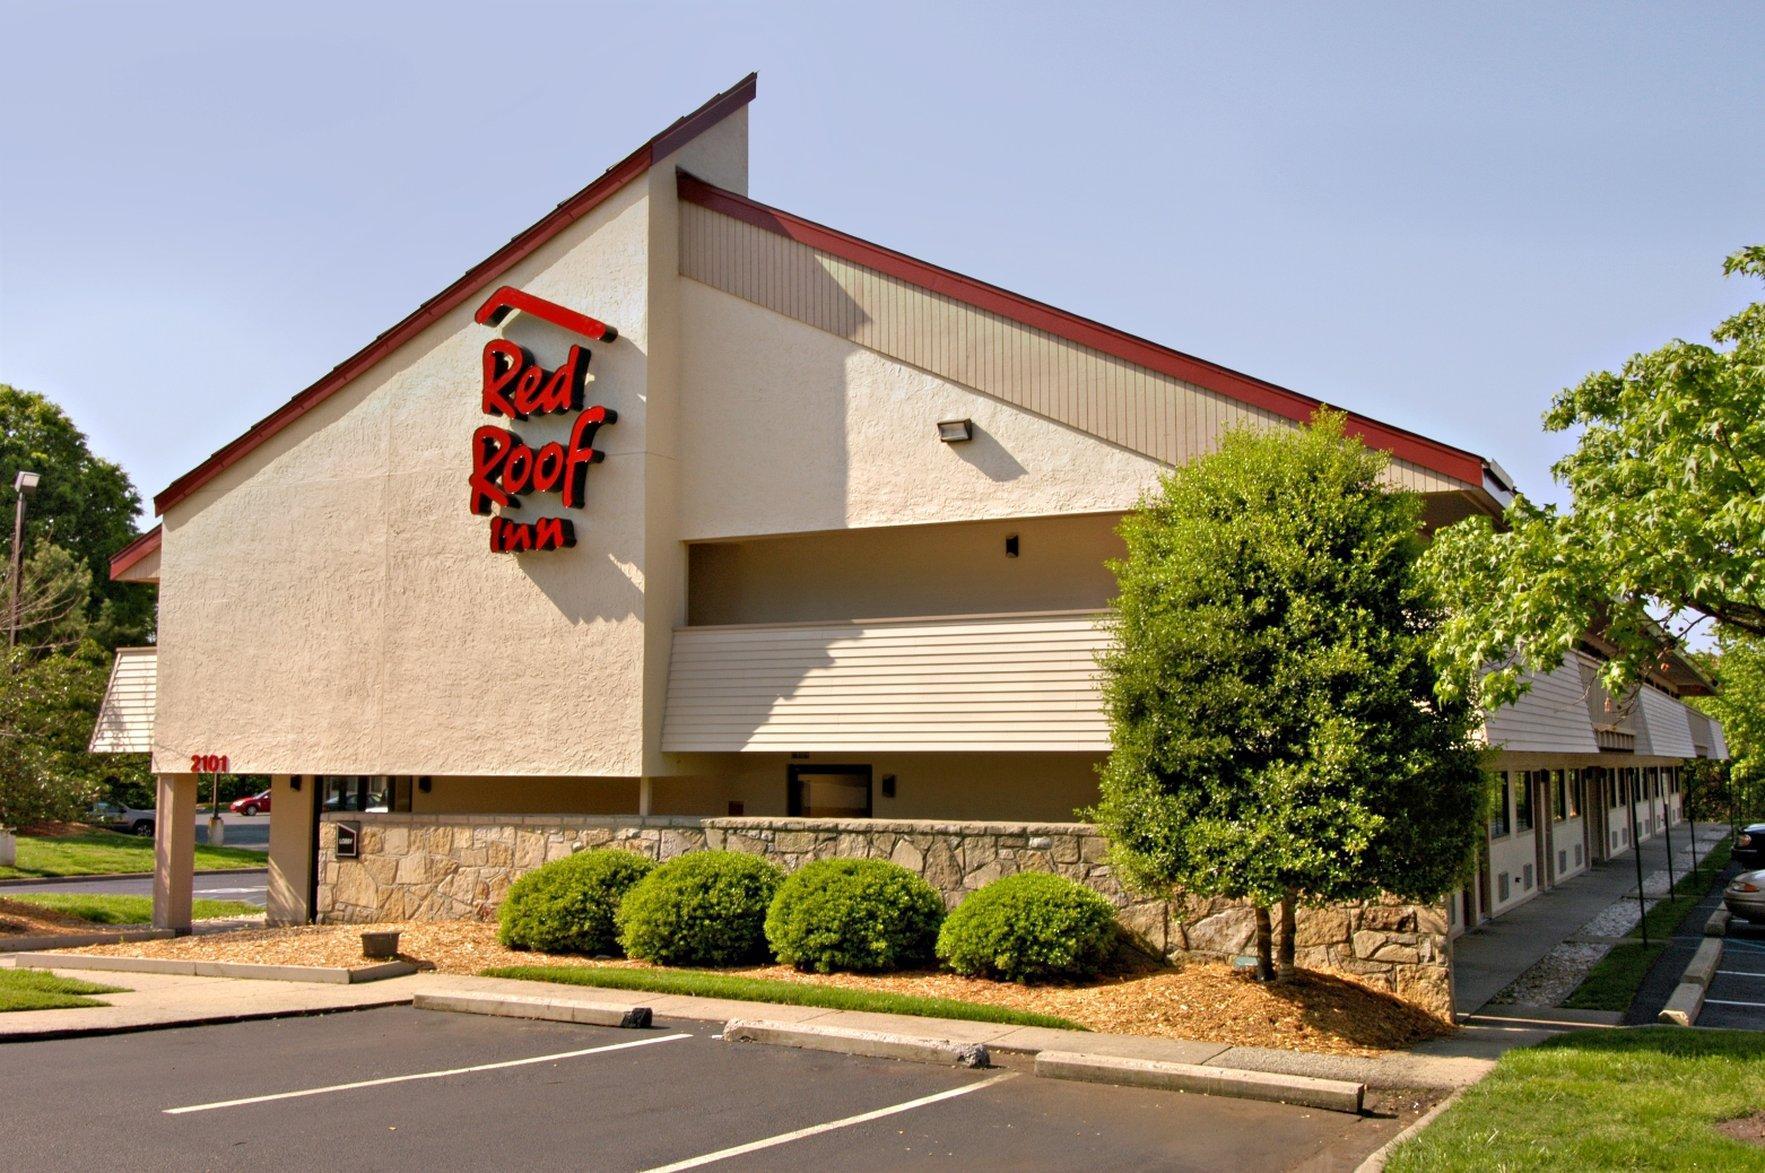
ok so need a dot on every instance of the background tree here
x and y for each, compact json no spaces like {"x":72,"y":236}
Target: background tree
{"x":1667,"y":528}
{"x":1739,"y":704}
{"x":86,"y":505}
{"x":1277,"y":737}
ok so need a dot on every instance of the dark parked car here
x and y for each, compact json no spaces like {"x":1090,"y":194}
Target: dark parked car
{"x":128,"y":820}
{"x":1749,"y":848}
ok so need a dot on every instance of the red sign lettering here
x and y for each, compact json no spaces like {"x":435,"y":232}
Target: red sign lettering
{"x":516,"y":387}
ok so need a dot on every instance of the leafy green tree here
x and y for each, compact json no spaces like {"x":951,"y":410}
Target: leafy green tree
{"x":47,"y":704}
{"x":1739,"y":704}
{"x":1667,"y":528}
{"x":85,"y":504}
{"x":1277,"y":736}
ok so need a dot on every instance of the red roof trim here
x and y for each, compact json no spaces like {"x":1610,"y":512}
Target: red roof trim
{"x":135,"y":551}
{"x":682,"y":131}
{"x":1417,"y":449}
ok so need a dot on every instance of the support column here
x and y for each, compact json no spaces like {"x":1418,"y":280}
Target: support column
{"x":645,"y":794}
{"x":294,"y":818}
{"x":174,"y":851}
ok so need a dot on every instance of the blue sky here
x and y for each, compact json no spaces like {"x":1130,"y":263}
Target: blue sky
{"x":1434,"y":215}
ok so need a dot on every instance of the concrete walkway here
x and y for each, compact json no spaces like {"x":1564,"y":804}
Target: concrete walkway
{"x":1489,"y":959}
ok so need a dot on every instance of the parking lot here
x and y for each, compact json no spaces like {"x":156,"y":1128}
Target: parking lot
{"x":1736,"y":997}
{"x":399,"y":1088}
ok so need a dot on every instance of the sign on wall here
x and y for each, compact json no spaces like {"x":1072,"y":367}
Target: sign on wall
{"x":515,"y":387}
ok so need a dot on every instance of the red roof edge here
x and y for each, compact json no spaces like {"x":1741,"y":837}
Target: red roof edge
{"x":1417,"y":449}
{"x":678,"y":134}
{"x":141,"y":547}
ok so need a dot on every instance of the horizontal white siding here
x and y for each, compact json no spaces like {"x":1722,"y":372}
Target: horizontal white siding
{"x":125,"y":720}
{"x":1551,"y":717}
{"x":1142,"y":410}
{"x":1024,"y":682}
{"x":1665,"y":730}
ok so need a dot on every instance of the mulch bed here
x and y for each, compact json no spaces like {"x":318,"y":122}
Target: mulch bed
{"x":1750,"y":1129}
{"x":1317,"y":1011}
{"x":18,"y":919}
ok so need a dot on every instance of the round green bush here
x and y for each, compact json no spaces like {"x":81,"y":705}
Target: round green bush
{"x":702,"y":908}
{"x":567,"y":906}
{"x":861,"y":914}
{"x":1030,"y":927}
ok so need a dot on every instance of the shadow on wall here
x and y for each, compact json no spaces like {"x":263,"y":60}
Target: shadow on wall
{"x":990,"y":457}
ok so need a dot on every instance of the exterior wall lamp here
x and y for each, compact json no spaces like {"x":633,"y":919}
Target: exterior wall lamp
{"x":955,"y":431}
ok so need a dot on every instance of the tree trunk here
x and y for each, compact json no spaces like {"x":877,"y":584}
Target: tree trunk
{"x":1265,"y":966}
{"x":1284,"y":962}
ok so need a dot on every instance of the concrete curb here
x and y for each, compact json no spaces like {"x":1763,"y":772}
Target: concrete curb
{"x":1375,"y":1162}
{"x":176,"y":967}
{"x":872,"y":1043}
{"x":100,"y":877}
{"x":80,"y":940}
{"x":1687,"y":1000}
{"x":1332,"y":1094}
{"x":135,"y":1028}
{"x":545,"y":1009}
{"x":1717,"y":925}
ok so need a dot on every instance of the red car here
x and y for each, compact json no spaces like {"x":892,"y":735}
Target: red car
{"x":251,"y":804}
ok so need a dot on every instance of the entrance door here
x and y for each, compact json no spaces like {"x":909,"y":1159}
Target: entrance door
{"x":830,"y":792}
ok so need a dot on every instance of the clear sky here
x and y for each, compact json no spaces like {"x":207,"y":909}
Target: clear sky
{"x":1436,"y":215}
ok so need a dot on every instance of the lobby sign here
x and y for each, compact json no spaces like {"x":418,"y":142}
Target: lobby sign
{"x":515,"y":387}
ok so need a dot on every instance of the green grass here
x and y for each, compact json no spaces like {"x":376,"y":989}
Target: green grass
{"x":1612,"y":1099}
{"x":700,"y":983}
{"x":33,"y":989}
{"x":1612,"y":983}
{"x":104,"y":908}
{"x":102,"y":853}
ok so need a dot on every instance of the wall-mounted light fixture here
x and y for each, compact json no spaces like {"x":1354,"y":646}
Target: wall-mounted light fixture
{"x":424,"y":784}
{"x":888,"y":785}
{"x":955,"y":431}
{"x":294,"y":782}
{"x":1011,"y":545}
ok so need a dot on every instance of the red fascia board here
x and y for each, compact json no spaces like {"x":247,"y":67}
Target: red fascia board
{"x":1417,"y":449}
{"x":141,"y":547}
{"x":677,"y":135}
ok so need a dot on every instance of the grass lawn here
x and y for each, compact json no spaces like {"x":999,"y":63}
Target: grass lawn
{"x":101,"y":853}
{"x":1614,"y":1099}
{"x":701,"y":983}
{"x":1613,"y":982}
{"x":105,"y":908}
{"x":33,"y":989}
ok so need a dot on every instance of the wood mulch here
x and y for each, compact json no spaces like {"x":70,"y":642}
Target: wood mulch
{"x":18,"y":919}
{"x":1317,"y":1011}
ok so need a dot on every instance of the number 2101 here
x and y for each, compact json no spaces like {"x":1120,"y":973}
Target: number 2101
{"x":208,"y":763}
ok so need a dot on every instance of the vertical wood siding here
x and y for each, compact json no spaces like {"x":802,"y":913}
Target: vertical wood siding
{"x":1665,"y":730}
{"x":1126,"y":404}
{"x":1551,"y":717}
{"x":125,"y":719}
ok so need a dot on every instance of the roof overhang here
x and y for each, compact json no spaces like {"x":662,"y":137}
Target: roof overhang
{"x":139,"y":560}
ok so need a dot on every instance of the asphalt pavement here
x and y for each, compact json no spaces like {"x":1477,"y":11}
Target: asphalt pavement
{"x":399,"y":1088}
{"x":251,"y":887}
{"x":1736,"y":998}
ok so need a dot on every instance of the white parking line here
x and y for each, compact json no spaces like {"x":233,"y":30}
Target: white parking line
{"x":345,"y":1087}
{"x":1726,"y":1002}
{"x":862,"y":1118}
{"x":1741,"y":973}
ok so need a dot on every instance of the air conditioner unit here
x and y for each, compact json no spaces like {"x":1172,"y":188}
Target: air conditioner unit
{"x":1526,"y":878}
{"x":1501,"y":886}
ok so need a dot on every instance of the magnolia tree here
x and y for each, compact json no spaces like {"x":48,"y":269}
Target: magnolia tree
{"x":1667,"y":529}
{"x":1277,"y":734}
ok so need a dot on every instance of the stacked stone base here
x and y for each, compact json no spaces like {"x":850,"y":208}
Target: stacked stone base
{"x":443,"y":867}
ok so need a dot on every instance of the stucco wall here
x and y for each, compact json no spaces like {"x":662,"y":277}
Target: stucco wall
{"x":429,"y":867}
{"x":787,"y":429}
{"x":329,"y":604}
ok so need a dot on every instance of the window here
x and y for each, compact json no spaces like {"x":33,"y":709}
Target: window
{"x":1575,"y":796}
{"x":1499,"y":825}
{"x":355,"y":792}
{"x":1523,"y":801}
{"x":1559,"y":795}
{"x":829,"y":792}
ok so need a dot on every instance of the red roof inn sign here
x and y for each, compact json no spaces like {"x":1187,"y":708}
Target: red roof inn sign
{"x":517,"y":388}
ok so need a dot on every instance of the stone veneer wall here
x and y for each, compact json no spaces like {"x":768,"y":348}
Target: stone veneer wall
{"x":432,"y":867}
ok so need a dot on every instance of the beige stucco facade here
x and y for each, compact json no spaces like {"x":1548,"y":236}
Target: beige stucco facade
{"x":780,"y":564}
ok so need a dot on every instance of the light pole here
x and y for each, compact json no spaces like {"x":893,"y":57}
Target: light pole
{"x":22,"y":485}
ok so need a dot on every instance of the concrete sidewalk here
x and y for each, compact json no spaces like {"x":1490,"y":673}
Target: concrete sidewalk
{"x":1490,"y":958}
{"x":156,"y":1001}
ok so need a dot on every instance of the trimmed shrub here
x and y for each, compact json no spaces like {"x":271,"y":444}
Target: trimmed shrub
{"x":1030,"y":927}
{"x":702,"y":908}
{"x":860,"y":914}
{"x":568,"y":905}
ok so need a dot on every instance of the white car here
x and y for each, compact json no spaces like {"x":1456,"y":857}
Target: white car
{"x":1745,"y":896}
{"x":115,"y":817}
